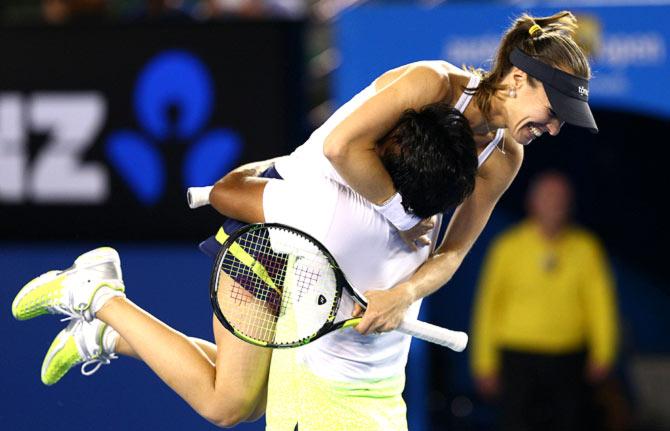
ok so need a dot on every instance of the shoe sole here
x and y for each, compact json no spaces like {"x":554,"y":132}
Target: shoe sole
{"x":56,"y":347}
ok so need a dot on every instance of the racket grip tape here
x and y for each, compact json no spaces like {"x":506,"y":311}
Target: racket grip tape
{"x":455,"y":340}
{"x":198,"y":196}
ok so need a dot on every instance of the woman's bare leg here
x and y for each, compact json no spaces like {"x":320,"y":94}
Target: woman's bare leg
{"x":208,"y":348}
{"x":230,"y":390}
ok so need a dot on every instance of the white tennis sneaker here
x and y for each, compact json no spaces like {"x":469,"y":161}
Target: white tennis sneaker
{"x":79,"y":291}
{"x":90,"y":343}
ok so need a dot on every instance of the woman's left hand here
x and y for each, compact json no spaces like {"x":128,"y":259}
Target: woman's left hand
{"x":417,"y":236}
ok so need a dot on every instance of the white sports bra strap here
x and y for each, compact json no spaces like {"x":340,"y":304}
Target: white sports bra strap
{"x":463,"y":103}
{"x":465,"y":98}
{"x":491,"y":146}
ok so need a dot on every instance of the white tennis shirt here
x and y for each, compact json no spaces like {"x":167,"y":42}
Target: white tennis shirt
{"x":313,"y":197}
{"x":371,"y":255}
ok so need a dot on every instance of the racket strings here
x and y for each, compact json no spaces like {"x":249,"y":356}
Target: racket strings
{"x":306,"y":277}
{"x":277,"y":287}
{"x":252,"y":299}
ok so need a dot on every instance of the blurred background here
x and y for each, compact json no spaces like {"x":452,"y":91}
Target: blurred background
{"x":109,"y":109}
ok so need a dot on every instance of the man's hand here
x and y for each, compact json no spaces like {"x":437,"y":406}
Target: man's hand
{"x":489,"y":386}
{"x":386,"y":310}
{"x":596,"y":373}
{"x":417,"y":236}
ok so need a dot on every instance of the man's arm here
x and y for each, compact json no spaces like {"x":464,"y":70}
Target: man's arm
{"x":601,"y":311}
{"x":386,"y":309}
{"x":239,"y":194}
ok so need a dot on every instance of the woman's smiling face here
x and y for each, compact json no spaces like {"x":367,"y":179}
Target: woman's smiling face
{"x":529,"y":114}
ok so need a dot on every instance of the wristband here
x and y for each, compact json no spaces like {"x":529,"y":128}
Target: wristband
{"x":394,"y":212}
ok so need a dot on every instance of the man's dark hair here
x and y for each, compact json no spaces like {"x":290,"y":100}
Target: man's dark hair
{"x":431,"y":157}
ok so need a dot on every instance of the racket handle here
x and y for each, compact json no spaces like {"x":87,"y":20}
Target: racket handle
{"x":455,"y":340}
{"x":198,"y":196}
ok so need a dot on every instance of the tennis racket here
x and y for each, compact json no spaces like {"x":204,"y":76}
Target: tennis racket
{"x":276,"y":286}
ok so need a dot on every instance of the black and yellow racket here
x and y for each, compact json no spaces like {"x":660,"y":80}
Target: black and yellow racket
{"x":276,"y":286}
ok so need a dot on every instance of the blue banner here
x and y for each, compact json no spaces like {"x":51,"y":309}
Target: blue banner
{"x":627,"y":45}
{"x":115,"y":151}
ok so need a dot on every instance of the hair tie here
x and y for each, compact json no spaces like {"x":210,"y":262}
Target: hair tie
{"x":535,"y":28}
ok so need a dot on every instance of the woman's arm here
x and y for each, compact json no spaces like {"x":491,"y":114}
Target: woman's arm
{"x":350,"y":147}
{"x":468,"y":221}
{"x":387,"y":308}
{"x":239,"y":194}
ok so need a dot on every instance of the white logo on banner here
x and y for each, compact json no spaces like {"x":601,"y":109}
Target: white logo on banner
{"x":616,"y":54}
{"x":616,"y":50}
{"x":632,"y":49}
{"x":57,"y":174}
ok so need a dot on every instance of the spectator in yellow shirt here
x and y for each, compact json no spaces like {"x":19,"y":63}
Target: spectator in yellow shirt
{"x":545,"y":320}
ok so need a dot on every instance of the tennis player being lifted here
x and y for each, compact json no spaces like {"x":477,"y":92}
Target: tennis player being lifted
{"x":539,"y":80}
{"x":226,"y":382}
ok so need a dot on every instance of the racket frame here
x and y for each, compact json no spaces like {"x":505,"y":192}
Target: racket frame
{"x":341,"y":285}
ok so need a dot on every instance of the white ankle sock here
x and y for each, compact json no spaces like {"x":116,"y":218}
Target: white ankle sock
{"x":109,"y":339}
{"x":104,"y":294}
